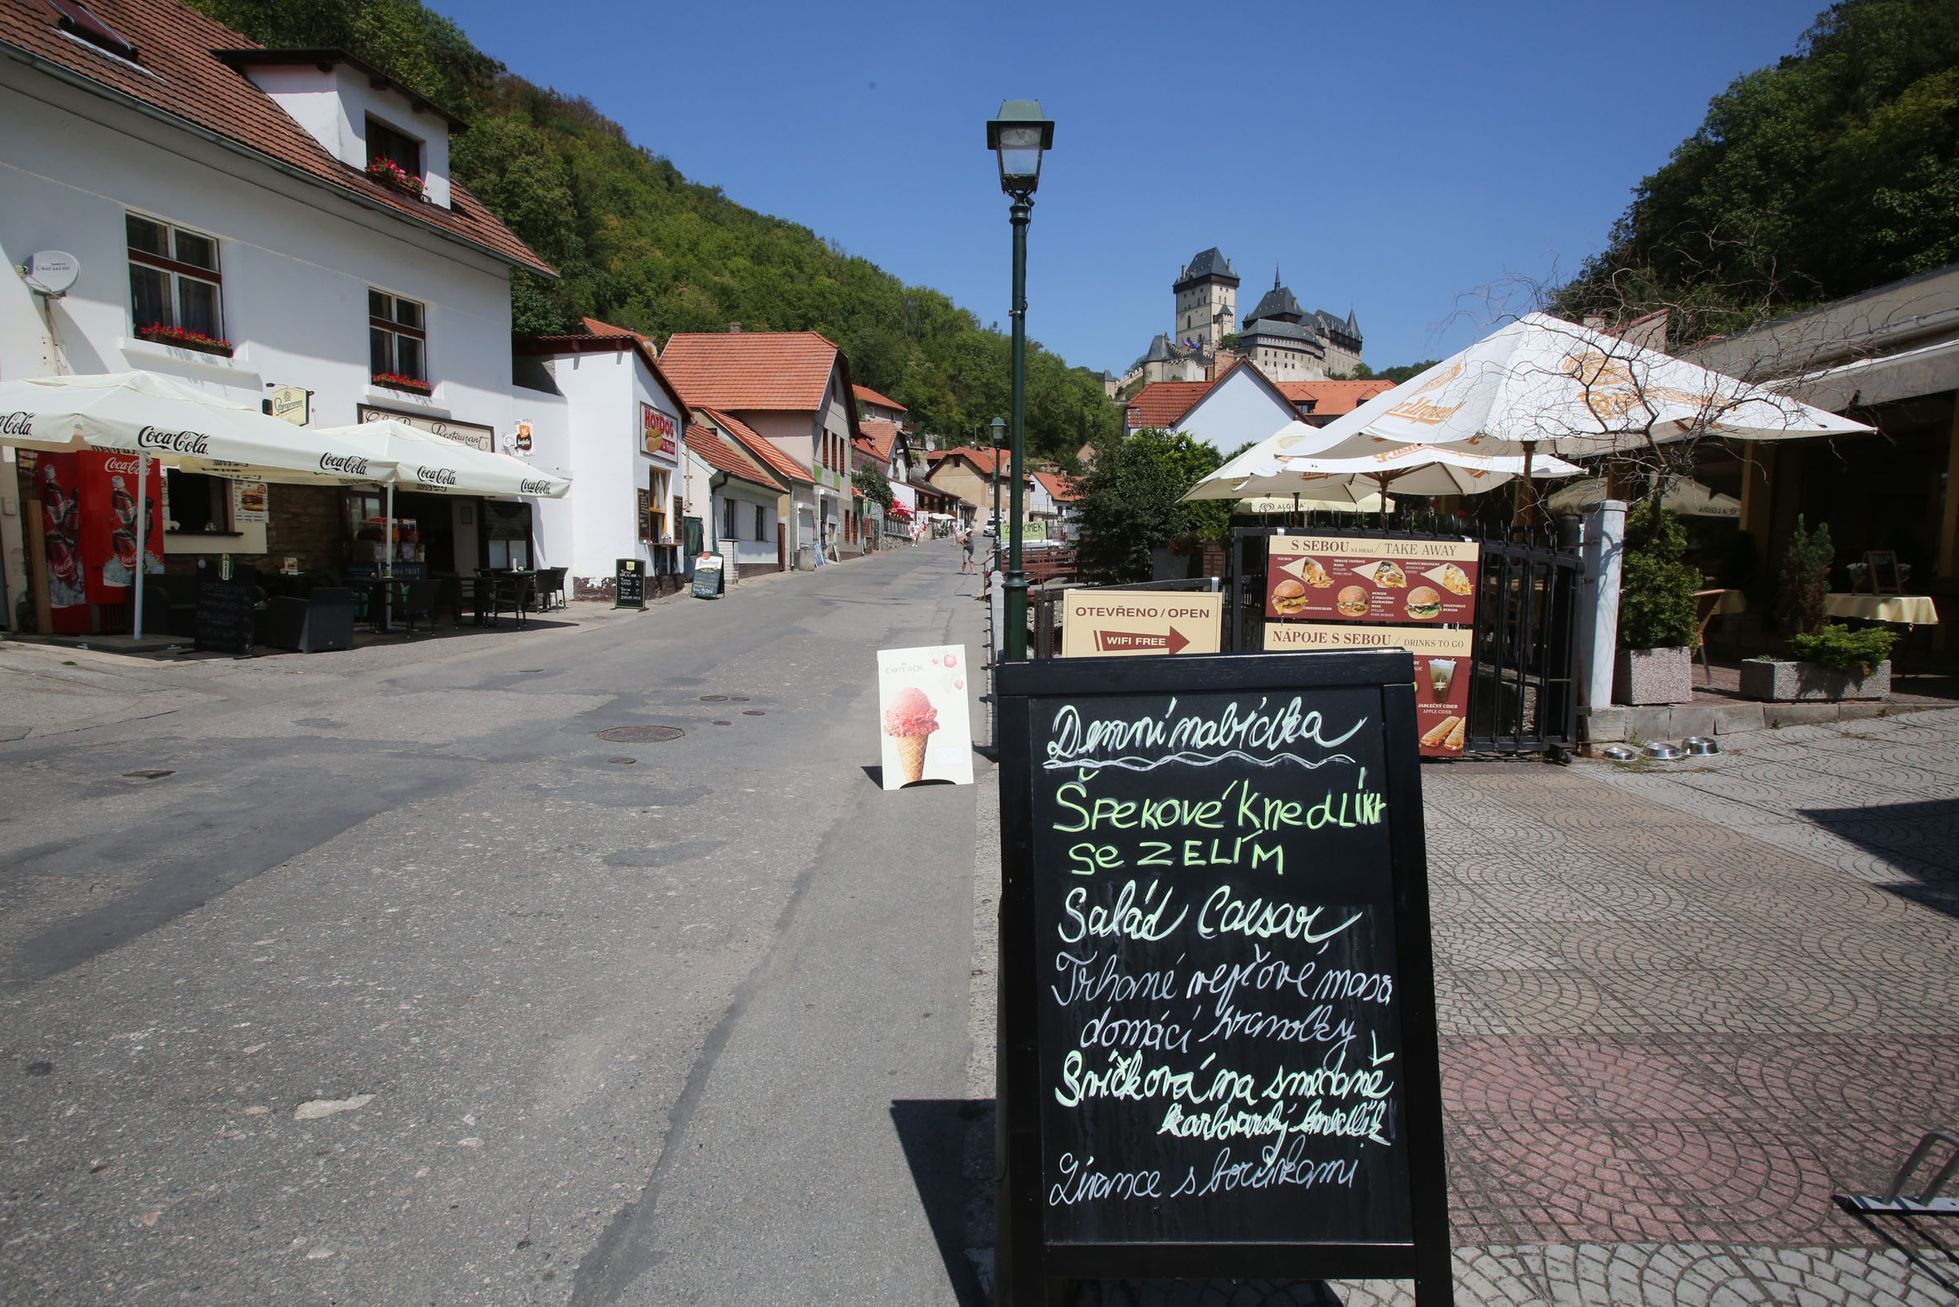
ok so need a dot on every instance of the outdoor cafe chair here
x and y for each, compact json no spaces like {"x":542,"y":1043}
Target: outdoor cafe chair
{"x":514,"y":591}
{"x":419,"y":599}
{"x":551,"y":588}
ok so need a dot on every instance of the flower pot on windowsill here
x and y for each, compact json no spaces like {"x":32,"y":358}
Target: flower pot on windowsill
{"x":180,"y":338}
{"x":1787,"y":680}
{"x":1653,"y":676}
{"x":395,"y":178}
{"x":409,"y":384}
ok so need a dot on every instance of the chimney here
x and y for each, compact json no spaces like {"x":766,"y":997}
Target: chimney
{"x":734,"y":329}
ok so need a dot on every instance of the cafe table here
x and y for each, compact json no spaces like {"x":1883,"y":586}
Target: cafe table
{"x":1896,"y":610}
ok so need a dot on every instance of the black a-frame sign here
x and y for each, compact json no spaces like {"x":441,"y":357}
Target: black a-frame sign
{"x":1217,"y":1014}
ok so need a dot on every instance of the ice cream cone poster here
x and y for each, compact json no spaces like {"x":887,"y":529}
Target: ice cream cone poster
{"x":923,"y":722}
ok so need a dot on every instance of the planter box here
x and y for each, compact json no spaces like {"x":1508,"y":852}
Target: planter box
{"x":222,"y":348}
{"x":1788,"y":681}
{"x":1648,"y":676}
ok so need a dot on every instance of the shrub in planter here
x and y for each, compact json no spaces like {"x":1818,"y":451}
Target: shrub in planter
{"x":1804,"y":580}
{"x":1656,"y":610}
{"x":1845,"y":650}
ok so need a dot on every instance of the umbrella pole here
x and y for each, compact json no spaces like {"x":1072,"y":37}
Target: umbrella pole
{"x":1295,"y":508}
{"x":142,"y":526}
{"x":1384,"y":478}
{"x":1527,"y":513}
{"x":388,"y":561}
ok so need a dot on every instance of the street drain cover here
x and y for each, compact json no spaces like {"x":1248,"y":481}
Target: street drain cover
{"x":622,"y":761}
{"x":714,"y":698}
{"x":719,"y":722}
{"x":641,"y":734}
{"x":754,"y":712}
{"x":149,"y":774}
{"x":737,"y":698}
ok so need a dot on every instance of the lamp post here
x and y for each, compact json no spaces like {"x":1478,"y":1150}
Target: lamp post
{"x":998,"y":426}
{"x":1018,"y":135}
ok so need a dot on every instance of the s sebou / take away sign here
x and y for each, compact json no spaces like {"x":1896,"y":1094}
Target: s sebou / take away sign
{"x":1106,"y":623}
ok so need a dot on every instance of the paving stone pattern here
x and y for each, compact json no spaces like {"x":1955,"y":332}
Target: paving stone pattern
{"x":1682,"y":1007}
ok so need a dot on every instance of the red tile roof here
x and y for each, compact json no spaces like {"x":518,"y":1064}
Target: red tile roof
{"x":758,"y":448}
{"x":869,"y":396}
{"x":1333,"y":398}
{"x":1164,"y":403}
{"x":724,"y":457}
{"x":982,"y":459}
{"x":1062,"y":489}
{"x":600,"y":336}
{"x":181,"y":77}
{"x":775,"y":371}
{"x":879,"y":436}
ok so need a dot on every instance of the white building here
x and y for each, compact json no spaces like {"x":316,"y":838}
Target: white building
{"x":222,"y":197}
{"x":742,"y":496}
{"x":625,"y":427}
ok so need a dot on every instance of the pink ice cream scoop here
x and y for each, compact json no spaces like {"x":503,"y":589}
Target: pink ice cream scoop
{"x":910,"y":713}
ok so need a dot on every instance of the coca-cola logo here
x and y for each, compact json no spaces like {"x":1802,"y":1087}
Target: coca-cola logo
{"x":17,"y":424}
{"x":123,"y":465}
{"x":175,"y":442}
{"x":436,"y":476}
{"x":535,"y":488}
{"x":349,"y":465}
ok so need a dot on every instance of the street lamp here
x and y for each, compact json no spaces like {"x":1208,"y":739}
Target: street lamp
{"x":998,"y":426}
{"x":1019,"y":135}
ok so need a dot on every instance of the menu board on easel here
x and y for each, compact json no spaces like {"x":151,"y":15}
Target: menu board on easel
{"x":1217,"y":1016}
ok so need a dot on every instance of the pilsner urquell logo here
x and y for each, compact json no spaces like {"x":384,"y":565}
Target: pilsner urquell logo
{"x":436,"y":476}
{"x":352,"y":465}
{"x":17,"y":424}
{"x":177,"y":442}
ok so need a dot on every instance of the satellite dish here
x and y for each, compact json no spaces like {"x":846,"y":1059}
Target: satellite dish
{"x":51,"y":272}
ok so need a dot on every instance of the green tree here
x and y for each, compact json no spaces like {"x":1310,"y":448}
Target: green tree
{"x":1834,"y":171}
{"x":1131,"y":501}
{"x":874,"y":486}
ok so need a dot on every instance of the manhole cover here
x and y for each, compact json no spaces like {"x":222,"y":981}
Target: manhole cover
{"x":719,"y":722}
{"x":737,"y":698}
{"x":149,"y":774}
{"x":714,"y":698}
{"x":641,"y":734}
{"x":622,"y":761}
{"x":754,"y":712}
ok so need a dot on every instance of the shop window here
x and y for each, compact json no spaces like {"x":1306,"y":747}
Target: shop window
{"x":645,"y":514}
{"x":195,"y":504}
{"x":729,"y":529}
{"x":174,"y":282}
{"x":761,"y":522}
{"x":397,"y":338}
{"x":654,"y":506}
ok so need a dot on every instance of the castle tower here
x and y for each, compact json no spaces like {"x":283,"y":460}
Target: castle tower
{"x":1206,"y":292}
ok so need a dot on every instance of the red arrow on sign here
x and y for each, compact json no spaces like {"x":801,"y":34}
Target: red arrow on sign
{"x":1129,"y":641}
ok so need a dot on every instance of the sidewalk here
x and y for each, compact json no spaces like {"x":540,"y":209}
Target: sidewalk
{"x":1683,"y":1006}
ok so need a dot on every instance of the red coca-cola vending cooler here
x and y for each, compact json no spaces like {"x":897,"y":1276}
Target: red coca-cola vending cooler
{"x":88,"y":533}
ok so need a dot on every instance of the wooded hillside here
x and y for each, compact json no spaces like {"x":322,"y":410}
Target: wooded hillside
{"x":640,"y":245}
{"x":1834,"y":171}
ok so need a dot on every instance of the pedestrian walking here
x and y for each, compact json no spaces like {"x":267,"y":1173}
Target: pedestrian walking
{"x":969,"y":565}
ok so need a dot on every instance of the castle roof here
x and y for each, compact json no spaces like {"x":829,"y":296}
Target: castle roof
{"x":1280,"y":329}
{"x":1204,"y":264}
{"x":1276,"y":303}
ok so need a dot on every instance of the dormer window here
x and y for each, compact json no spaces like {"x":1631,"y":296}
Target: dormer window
{"x":398,"y":148}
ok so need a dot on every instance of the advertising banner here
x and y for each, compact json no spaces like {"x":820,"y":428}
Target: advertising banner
{"x":925,"y":728}
{"x":1371,"y":579}
{"x":1441,"y":670}
{"x":1107,"y":623}
{"x":60,"y":488}
{"x":655,"y":432}
{"x":108,"y":520}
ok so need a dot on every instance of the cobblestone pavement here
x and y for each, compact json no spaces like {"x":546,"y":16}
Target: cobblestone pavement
{"x":1683,"y":1006}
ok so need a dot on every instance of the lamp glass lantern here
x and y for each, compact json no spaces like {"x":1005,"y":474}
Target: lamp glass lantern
{"x":1019,"y":135}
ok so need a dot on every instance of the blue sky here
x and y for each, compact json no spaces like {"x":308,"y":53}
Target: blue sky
{"x":1396,"y":158}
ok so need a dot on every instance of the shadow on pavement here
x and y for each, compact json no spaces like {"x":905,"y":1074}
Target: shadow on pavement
{"x":932,"y":1132}
{"x":1921,"y":1245}
{"x":1919,"y":840}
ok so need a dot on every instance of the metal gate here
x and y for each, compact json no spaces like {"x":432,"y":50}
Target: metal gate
{"x":1523,"y":695}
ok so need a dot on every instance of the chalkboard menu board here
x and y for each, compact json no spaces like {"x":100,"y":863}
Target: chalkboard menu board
{"x":224,"y":616}
{"x":707,"y":576}
{"x":629,"y":584}
{"x":1218,"y":1015}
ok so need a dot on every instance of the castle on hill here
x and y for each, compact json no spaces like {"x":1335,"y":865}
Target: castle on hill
{"x":1206,"y":338}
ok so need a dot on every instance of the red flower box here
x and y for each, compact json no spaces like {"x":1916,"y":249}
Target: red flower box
{"x":390,"y":173}
{"x":396,"y":381}
{"x":184,"y":338}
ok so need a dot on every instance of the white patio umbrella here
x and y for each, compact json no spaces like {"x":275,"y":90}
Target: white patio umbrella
{"x":404,"y":455}
{"x":1342,"y":499}
{"x":1411,"y":469}
{"x":1541,"y":383}
{"x":155,"y":416}
{"x":1683,"y":495}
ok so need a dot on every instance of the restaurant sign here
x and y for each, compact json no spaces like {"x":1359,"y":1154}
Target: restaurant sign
{"x":292,"y":404}
{"x":472,"y":434}
{"x":1442,"y":658}
{"x":1371,"y":578}
{"x":656,"y":432}
{"x":1109,"y":623}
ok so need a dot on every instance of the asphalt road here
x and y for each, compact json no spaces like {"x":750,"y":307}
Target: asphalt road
{"x":401,"y":986}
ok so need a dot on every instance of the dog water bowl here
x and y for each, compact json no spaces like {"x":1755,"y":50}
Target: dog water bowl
{"x":1618,"y":753}
{"x":1662,"y":750}
{"x":1699,"y":745}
